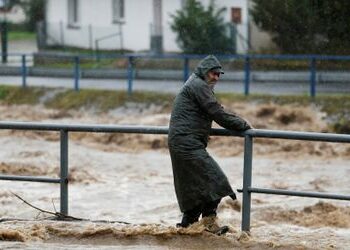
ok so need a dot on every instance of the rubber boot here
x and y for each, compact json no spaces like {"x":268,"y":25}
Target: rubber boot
{"x":189,"y":218}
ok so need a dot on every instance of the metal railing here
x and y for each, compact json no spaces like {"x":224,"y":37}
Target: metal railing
{"x":76,"y":61}
{"x":248,"y":135}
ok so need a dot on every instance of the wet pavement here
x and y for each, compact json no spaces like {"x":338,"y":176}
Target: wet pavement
{"x":171,"y":86}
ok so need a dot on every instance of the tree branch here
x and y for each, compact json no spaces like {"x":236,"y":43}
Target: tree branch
{"x":60,"y":216}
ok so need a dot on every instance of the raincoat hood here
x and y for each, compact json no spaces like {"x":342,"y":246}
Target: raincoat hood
{"x":208,"y":63}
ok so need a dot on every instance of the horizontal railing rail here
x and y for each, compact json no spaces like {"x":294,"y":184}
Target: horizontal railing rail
{"x":248,"y":135}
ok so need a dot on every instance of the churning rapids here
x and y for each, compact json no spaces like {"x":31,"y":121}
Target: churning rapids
{"x":122,"y":184}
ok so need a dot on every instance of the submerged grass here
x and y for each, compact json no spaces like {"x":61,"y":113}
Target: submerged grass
{"x":104,"y":100}
{"x":337,"y":107}
{"x":100,"y":100}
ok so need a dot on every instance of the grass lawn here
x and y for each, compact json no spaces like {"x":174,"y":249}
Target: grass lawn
{"x":21,"y":35}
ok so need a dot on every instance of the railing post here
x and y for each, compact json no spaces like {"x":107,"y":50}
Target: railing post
{"x":24,"y":71}
{"x":247,"y":182}
{"x":246,"y":75}
{"x":313,"y":77}
{"x":186,"y":69}
{"x":130,"y":74}
{"x":4,"y":41}
{"x":76,"y":73}
{"x":64,"y":172}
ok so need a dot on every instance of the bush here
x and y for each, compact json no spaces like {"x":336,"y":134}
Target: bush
{"x":304,"y":26}
{"x":200,"y":30}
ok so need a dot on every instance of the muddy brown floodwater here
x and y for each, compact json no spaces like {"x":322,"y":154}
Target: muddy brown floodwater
{"x":123,"y":184}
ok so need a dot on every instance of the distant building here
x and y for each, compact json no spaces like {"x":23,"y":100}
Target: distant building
{"x":137,"y":25}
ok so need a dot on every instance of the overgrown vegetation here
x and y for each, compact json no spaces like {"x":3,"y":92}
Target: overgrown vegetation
{"x":336,"y":107}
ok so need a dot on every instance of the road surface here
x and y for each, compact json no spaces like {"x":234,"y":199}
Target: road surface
{"x":172,"y":86}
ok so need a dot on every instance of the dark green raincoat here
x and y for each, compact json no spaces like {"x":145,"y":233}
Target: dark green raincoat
{"x":198,"y":179}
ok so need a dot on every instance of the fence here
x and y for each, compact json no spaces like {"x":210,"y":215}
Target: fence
{"x":73,"y":68}
{"x":86,"y":36}
{"x":248,"y":157}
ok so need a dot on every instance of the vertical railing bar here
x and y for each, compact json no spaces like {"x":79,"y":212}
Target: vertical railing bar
{"x":130,"y":74}
{"x":186,"y":69}
{"x":64,"y":172}
{"x":76,"y":73}
{"x":313,"y":77}
{"x":247,"y":182}
{"x":246,"y":75}
{"x":24,"y":71}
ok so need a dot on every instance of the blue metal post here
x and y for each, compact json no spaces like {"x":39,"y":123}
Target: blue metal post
{"x":76,"y":73}
{"x":246,"y":75}
{"x":313,"y":77}
{"x":4,"y":40}
{"x":64,"y":172}
{"x":24,"y":71}
{"x":130,"y":74}
{"x":186,"y":68}
{"x":247,"y":182}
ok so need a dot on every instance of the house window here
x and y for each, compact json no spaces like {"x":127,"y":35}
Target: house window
{"x":73,"y":13}
{"x":236,"y":15}
{"x":118,"y":10}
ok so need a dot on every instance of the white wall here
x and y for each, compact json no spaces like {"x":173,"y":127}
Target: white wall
{"x":169,"y":37}
{"x":96,"y":22}
{"x":137,"y":30}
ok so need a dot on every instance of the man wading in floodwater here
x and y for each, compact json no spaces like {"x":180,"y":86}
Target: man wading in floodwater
{"x":199,"y":181}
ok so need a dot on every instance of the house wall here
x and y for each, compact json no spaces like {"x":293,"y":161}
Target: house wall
{"x":96,"y":23}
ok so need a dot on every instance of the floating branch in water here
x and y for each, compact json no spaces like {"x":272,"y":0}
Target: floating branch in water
{"x":60,"y":216}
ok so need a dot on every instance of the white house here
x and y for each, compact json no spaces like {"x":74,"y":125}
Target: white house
{"x":135,"y":25}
